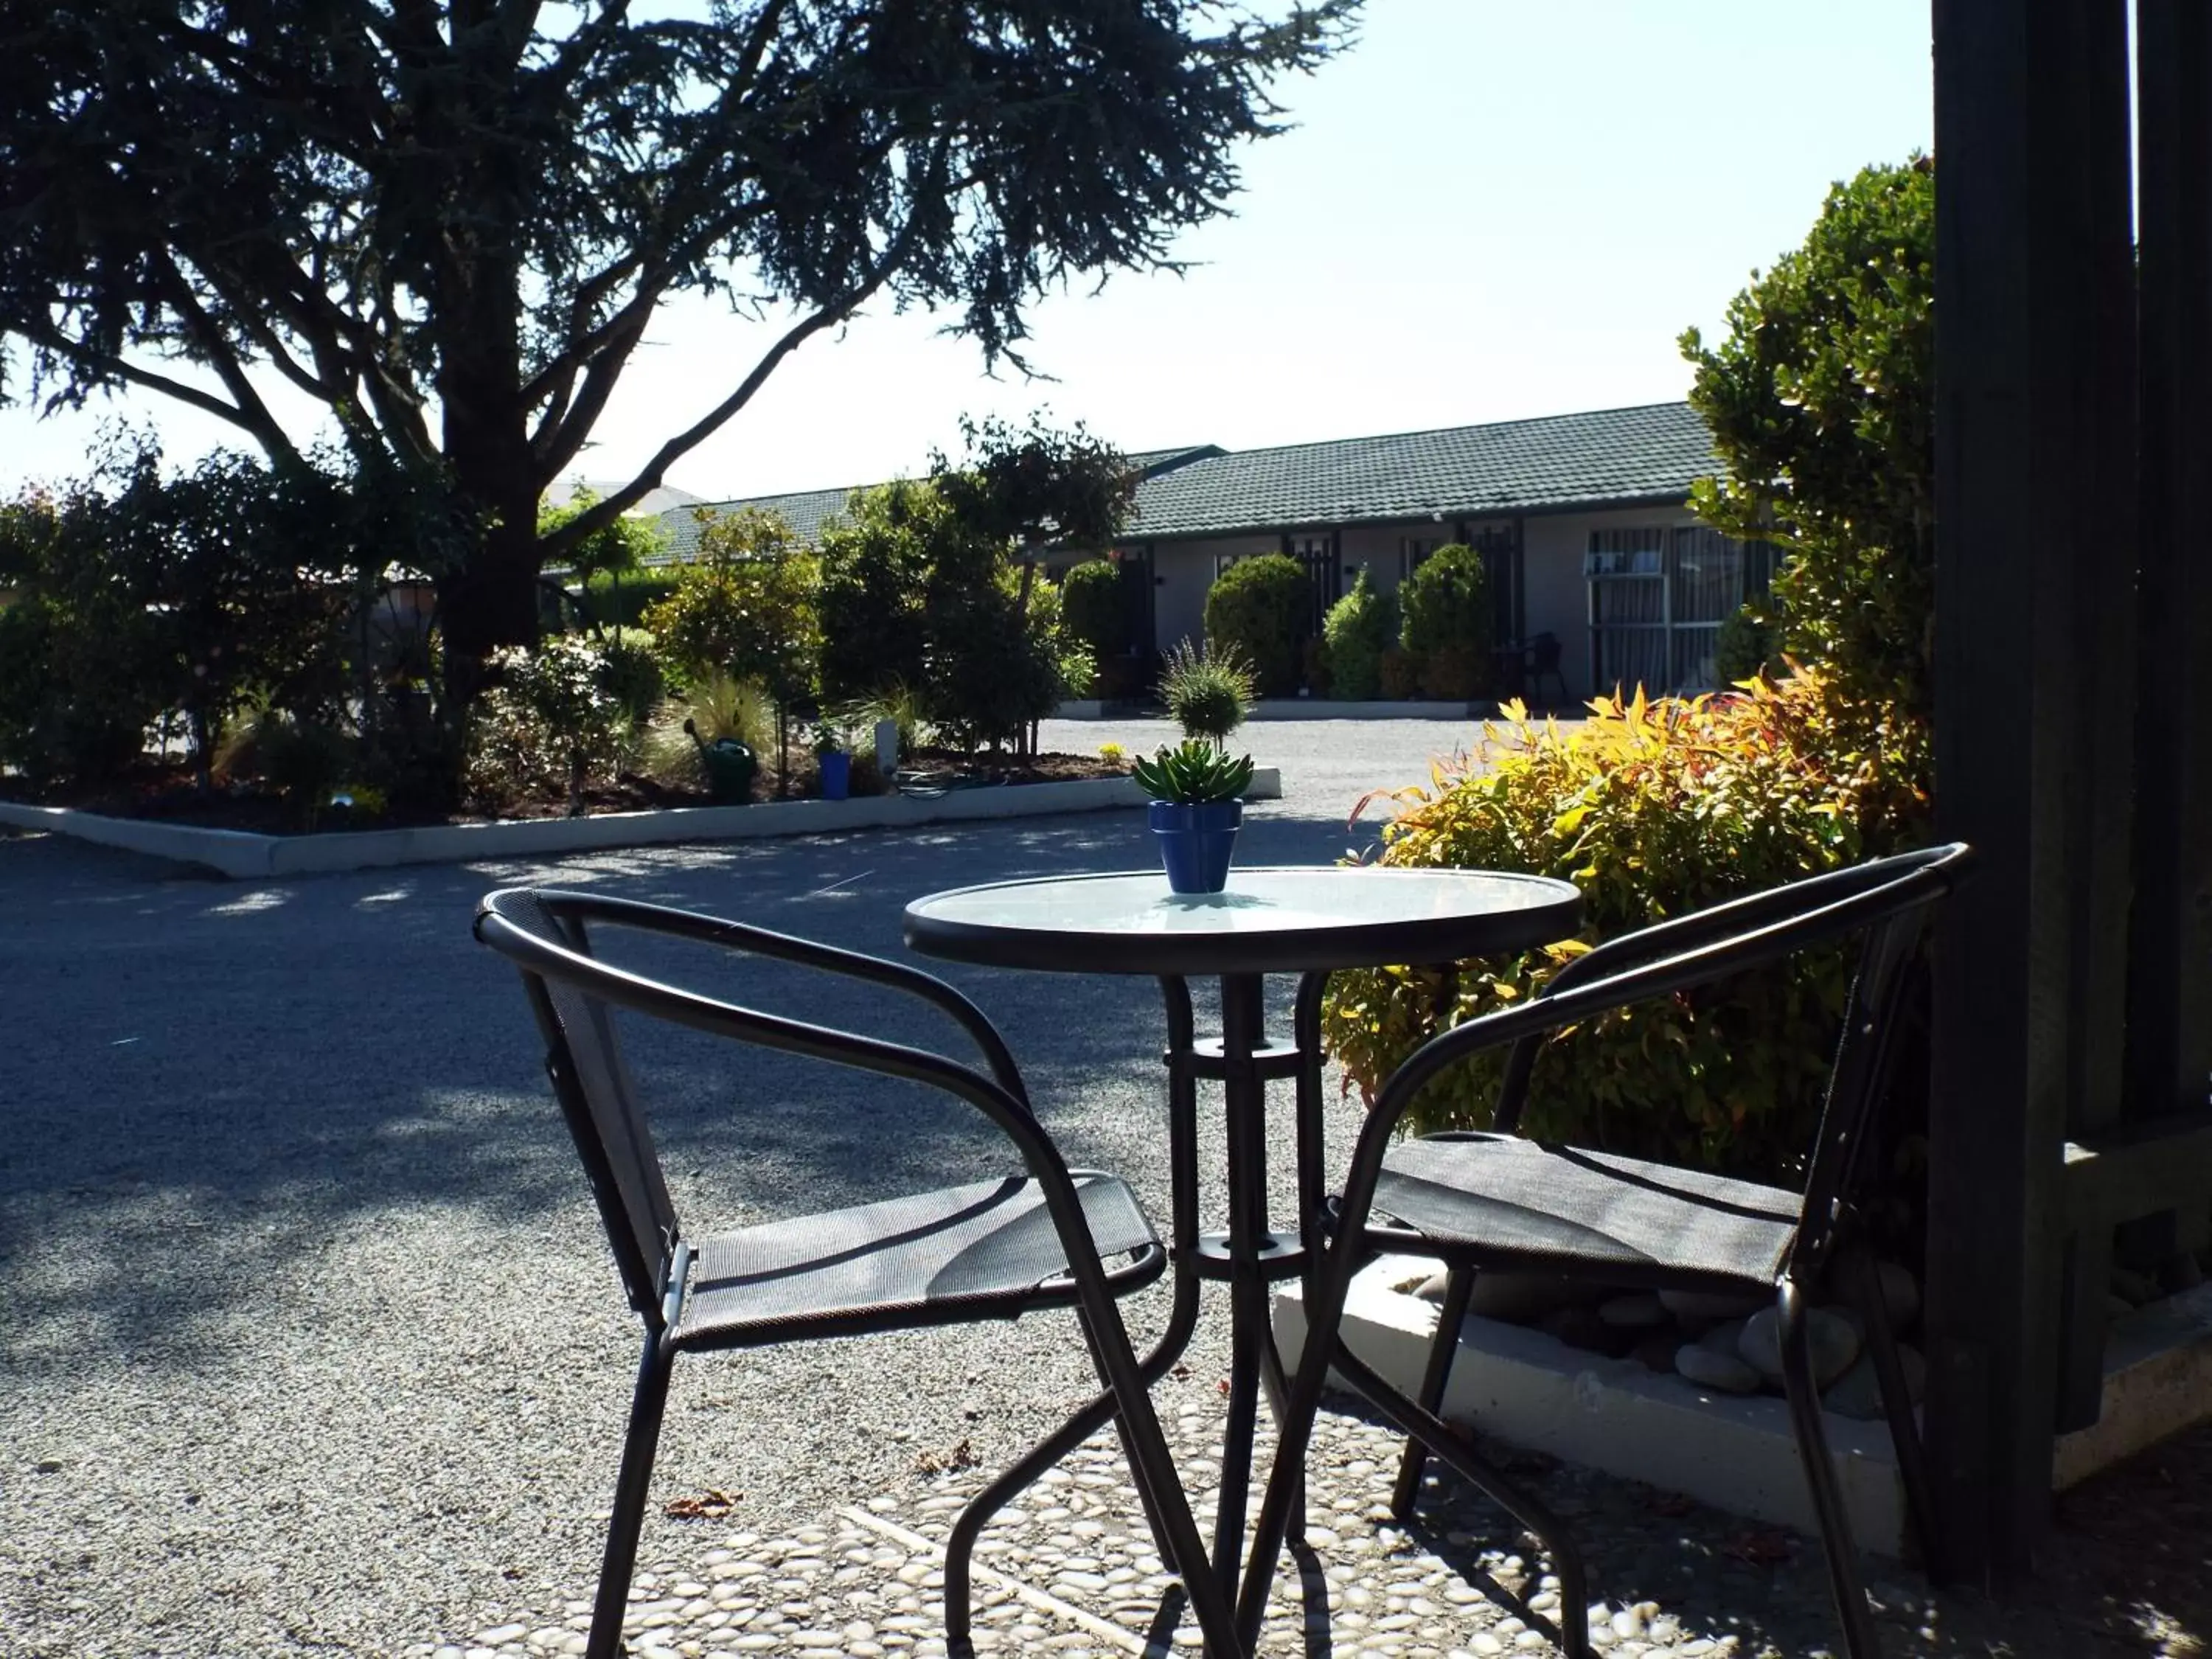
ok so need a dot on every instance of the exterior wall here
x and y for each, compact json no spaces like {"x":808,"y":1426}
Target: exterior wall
{"x":1553,"y":546}
{"x":1556,"y":594}
{"x":1374,"y":546}
{"x":1182,"y":573}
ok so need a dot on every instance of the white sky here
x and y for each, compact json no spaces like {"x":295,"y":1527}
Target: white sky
{"x":1487,"y":211}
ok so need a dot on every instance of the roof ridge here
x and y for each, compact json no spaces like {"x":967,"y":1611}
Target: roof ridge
{"x":1436,"y":431}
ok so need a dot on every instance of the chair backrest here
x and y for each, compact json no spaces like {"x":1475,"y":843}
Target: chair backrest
{"x":583,"y":1056}
{"x":1544,"y":653}
{"x":1883,"y":904}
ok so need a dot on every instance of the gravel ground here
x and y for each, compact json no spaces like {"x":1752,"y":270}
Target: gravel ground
{"x":308,"y":1337}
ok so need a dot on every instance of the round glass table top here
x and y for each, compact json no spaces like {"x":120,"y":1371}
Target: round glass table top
{"x":1283,"y":919}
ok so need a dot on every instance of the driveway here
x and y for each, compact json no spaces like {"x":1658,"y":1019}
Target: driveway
{"x":311,"y":1342}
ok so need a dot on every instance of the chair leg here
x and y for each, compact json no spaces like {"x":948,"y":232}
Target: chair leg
{"x":1324,"y":1351}
{"x":1459,"y":1287}
{"x":1419,"y":1423}
{"x":960,"y":1544}
{"x":632,"y":1487}
{"x":1865,"y":1288}
{"x":1801,"y":1386}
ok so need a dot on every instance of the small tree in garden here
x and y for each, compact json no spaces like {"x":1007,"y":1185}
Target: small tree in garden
{"x":1821,"y":401}
{"x":748,"y":608}
{"x":1037,"y":485}
{"x":916,"y":594}
{"x":875,"y":565}
{"x":562,"y":689}
{"x":1358,"y":629}
{"x":1445,"y":605}
{"x":599,"y":562}
{"x":1260,"y":608}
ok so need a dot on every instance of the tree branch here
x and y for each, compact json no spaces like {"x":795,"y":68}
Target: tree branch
{"x":252,"y":413}
{"x":604,"y":513}
{"x":54,"y":340}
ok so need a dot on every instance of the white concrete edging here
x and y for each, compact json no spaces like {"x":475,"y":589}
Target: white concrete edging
{"x":1329,"y":709}
{"x":237,"y":854}
{"x":1306,"y":709}
{"x":1736,"y":1452}
{"x":1532,"y":1390}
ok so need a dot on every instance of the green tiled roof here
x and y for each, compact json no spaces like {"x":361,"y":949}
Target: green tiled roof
{"x":1508,"y":466}
{"x":805,"y":511}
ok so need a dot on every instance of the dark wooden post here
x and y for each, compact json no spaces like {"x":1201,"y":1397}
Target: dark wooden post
{"x":2035,"y":436}
{"x":2170,"y":945}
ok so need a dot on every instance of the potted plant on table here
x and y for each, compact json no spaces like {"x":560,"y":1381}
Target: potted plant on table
{"x":1198,"y":806}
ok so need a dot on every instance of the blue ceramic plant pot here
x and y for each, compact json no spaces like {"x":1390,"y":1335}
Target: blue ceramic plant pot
{"x":836,"y":774}
{"x":1195,"y":842}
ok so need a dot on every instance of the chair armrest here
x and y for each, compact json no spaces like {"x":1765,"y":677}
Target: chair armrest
{"x":1671,"y":957}
{"x":1008,"y":1108}
{"x":783,"y":947}
{"x":1686,"y":934}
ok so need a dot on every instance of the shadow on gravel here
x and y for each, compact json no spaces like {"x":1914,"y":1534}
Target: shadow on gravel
{"x":207,"y":1081}
{"x":2127,"y":1572}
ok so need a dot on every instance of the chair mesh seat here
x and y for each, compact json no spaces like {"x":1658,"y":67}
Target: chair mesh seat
{"x":1498,"y":1196}
{"x":962,"y":1248}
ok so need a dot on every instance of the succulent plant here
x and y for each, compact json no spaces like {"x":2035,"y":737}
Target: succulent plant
{"x":1193,"y":772}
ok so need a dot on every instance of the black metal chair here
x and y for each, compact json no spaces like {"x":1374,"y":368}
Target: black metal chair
{"x":1494,"y":1200}
{"x":1051,"y":1239}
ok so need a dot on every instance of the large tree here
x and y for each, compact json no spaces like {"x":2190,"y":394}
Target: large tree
{"x":450,"y":221}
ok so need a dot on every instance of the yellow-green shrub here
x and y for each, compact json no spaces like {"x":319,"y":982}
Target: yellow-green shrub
{"x":1653,"y":809}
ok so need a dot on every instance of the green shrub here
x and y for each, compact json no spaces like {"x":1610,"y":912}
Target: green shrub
{"x":875,"y":563}
{"x":611,"y":598}
{"x":1206,"y":693}
{"x":1446,"y":606}
{"x":1260,"y":609}
{"x":554,"y":709}
{"x":1093,"y":608}
{"x":1747,"y":643}
{"x":1359,"y":628}
{"x":748,"y":607}
{"x":1822,"y":407}
{"x":302,"y":762}
{"x":634,"y":672}
{"x":76,"y":702}
{"x":1651,"y":809}
{"x":993,"y":666}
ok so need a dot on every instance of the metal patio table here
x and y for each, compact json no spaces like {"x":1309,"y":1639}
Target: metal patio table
{"x":1307,"y":920}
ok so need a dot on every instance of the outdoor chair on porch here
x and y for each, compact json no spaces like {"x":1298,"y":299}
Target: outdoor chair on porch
{"x":1494,"y":1200}
{"x":1051,"y":1237}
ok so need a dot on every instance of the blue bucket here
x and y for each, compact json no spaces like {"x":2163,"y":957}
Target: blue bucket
{"x":1195,"y":842}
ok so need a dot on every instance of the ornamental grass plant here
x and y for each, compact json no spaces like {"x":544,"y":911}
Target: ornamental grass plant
{"x":1207,"y":692}
{"x":1653,"y":808}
